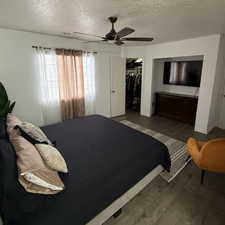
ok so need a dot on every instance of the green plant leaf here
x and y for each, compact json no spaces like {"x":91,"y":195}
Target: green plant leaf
{"x":5,"y":105}
{"x":4,"y":111}
{"x":11,"y":107}
{"x":3,"y":96}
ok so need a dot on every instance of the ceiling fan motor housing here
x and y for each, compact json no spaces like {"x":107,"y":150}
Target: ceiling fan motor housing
{"x":112,"y":19}
{"x":112,"y":34}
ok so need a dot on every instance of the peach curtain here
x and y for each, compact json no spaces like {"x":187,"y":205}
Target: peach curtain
{"x":71,"y":83}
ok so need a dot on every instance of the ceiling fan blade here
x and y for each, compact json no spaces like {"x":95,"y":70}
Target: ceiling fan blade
{"x":119,"y":42}
{"x":93,"y":35}
{"x":100,"y":41}
{"x":124,"y":32}
{"x":137,"y":39}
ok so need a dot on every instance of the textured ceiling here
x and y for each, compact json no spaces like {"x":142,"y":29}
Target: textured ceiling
{"x":165,"y":20}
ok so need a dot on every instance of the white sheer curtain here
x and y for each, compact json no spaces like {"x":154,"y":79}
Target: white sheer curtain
{"x":89,"y":83}
{"x":47,"y":68}
{"x":49,"y":85}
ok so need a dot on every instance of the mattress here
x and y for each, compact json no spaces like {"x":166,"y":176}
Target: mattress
{"x":105,"y":159}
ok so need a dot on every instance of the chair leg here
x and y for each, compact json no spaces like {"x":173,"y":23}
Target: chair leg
{"x":187,"y":159}
{"x":202,"y":176}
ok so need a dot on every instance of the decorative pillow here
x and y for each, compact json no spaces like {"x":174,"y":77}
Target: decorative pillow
{"x":38,"y":181}
{"x":34,"y":176}
{"x":52,"y":157}
{"x":31,"y":185}
{"x":11,"y":122}
{"x":28,"y":137}
{"x":3,"y":131}
{"x":34,"y":132}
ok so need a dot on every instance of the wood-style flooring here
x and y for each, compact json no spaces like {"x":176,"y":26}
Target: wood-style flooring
{"x":183,"y":201}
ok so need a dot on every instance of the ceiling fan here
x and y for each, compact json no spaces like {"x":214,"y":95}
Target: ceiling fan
{"x":118,"y":37}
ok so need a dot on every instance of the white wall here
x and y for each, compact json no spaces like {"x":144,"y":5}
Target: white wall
{"x":205,"y":46}
{"x":17,"y":69}
{"x":218,"y":100}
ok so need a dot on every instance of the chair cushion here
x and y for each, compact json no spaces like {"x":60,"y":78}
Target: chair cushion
{"x":201,"y":144}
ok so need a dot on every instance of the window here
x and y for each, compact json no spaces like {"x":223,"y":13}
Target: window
{"x":51,"y":82}
{"x":49,"y":85}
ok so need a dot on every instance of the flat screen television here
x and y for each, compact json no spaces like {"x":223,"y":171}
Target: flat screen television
{"x":187,"y":73}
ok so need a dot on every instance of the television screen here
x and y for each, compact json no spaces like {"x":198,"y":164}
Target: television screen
{"x":187,"y":73}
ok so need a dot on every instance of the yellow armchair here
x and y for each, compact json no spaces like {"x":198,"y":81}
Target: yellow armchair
{"x":208,"y":155}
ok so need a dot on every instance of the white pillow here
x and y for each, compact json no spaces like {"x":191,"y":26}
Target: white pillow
{"x":52,"y":157}
{"x":38,"y":181}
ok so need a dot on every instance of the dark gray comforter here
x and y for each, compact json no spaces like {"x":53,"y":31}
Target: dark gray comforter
{"x":105,"y":159}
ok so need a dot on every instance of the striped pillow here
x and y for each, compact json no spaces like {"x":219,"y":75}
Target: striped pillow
{"x":34,"y":132}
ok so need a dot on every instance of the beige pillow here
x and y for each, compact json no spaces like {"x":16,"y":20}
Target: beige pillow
{"x":11,"y":122}
{"x":52,"y":157}
{"x":31,"y":177}
{"x":32,"y":130}
{"x":36,"y":189}
{"x":35,"y":132}
{"x":34,"y":176}
{"x":35,"y":182}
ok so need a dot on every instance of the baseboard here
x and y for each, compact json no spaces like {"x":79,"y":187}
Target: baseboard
{"x":212,"y":126}
{"x":200,"y":130}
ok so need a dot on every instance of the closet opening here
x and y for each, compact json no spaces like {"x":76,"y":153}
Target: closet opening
{"x":133,"y":84}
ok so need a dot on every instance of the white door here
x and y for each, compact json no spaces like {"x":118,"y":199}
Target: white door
{"x":103,"y":84}
{"x":117,"y":85}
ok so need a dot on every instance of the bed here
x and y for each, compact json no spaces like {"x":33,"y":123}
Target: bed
{"x":108,"y":164}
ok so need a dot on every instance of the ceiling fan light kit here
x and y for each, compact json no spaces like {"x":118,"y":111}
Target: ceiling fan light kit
{"x":118,"y":37}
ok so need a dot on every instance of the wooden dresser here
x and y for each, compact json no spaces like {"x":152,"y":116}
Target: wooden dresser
{"x":176,"y":106}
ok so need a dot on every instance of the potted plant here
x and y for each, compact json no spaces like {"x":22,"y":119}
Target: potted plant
{"x":5,"y":107}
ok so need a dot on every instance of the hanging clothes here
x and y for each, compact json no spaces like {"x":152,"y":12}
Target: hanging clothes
{"x":133,"y":91}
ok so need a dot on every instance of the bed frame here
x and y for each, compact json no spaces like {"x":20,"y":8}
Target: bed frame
{"x":124,"y":199}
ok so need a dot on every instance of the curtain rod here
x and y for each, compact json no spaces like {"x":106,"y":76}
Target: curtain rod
{"x":94,"y":52}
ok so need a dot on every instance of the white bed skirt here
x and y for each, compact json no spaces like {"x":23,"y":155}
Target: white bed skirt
{"x":124,"y":199}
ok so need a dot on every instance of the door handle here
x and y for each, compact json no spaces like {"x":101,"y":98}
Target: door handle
{"x":113,"y":91}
